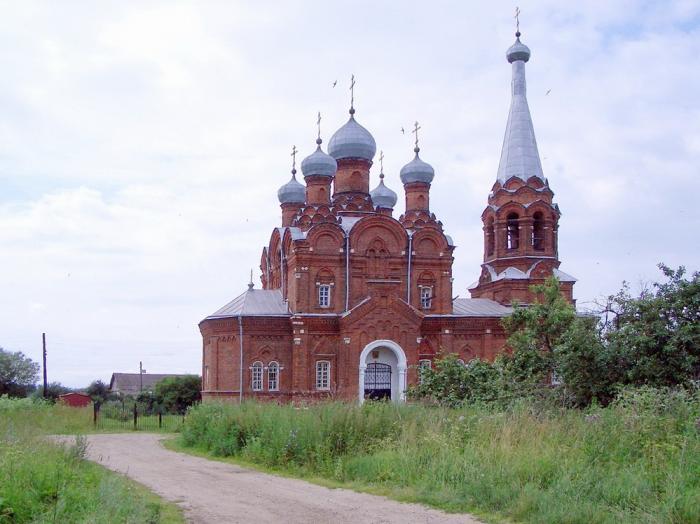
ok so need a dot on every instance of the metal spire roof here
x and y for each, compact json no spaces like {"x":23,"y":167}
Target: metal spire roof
{"x":519,"y":156}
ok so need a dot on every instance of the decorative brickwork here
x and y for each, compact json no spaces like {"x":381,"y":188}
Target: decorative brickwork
{"x":346,"y":287}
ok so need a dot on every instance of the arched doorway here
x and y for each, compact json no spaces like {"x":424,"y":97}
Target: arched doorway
{"x":382,"y":372}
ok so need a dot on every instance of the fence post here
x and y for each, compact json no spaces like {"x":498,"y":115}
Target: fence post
{"x":160,"y":420}
{"x":135,"y":416}
{"x":95,"y":410}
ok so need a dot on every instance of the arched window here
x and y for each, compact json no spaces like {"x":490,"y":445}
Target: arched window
{"x":256,"y":376}
{"x":513,"y":231}
{"x":490,"y":238}
{"x":538,"y":231}
{"x":273,"y":376}
{"x":422,"y":366}
{"x":323,"y":375}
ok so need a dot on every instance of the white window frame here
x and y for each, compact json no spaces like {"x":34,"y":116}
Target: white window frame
{"x":324,"y":295}
{"x":256,"y":376}
{"x":423,"y":363}
{"x":323,"y":375}
{"x":273,"y":376}
{"x":426,"y":297}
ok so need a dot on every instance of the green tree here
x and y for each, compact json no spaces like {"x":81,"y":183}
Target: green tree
{"x":18,"y":373}
{"x":657,"y":335}
{"x":176,"y":394}
{"x":53,"y":391}
{"x":99,"y":391}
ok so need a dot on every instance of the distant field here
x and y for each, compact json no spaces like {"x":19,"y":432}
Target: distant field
{"x":42,"y":482}
{"x":637,"y":461}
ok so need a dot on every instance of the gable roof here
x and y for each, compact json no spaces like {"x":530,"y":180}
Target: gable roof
{"x":130,"y":383}
{"x":254,"y":302}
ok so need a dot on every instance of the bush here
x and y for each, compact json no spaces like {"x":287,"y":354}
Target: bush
{"x":634,"y":461}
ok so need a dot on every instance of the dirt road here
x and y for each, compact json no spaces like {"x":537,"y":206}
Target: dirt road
{"x":214,"y":492}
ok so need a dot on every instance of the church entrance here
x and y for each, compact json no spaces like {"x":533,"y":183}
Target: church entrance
{"x":378,"y":381}
{"x":382,"y":372}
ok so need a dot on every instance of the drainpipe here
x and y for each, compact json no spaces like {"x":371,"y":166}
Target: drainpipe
{"x":408,"y":278}
{"x":347,"y":271}
{"x":240,"y":370}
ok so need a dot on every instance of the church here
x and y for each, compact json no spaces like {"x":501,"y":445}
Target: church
{"x":355,"y":301}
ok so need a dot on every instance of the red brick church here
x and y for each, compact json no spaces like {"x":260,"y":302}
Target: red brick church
{"x":355,"y":300}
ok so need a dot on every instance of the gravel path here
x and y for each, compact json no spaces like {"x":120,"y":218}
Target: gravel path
{"x":214,"y":492}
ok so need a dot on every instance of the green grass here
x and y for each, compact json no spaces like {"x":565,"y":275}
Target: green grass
{"x":44,"y":482}
{"x":636,"y":461}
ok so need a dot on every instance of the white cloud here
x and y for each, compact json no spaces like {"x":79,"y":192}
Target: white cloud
{"x":141,"y":146}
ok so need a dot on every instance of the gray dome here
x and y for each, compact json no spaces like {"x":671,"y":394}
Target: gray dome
{"x":518,"y":51}
{"x":319,"y":163}
{"x":352,"y":141}
{"x":417,"y":171}
{"x":292,"y":192}
{"x":382,"y":196}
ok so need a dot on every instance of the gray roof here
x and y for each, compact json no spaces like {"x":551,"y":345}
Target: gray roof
{"x":292,"y":192}
{"x":130,"y":383}
{"x":254,"y":302}
{"x":382,"y":196}
{"x":352,"y":141}
{"x":519,"y":156}
{"x":319,"y":163}
{"x":479,"y":307}
{"x":417,"y":170}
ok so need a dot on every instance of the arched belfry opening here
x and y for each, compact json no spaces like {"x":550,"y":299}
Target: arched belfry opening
{"x":382,"y":372}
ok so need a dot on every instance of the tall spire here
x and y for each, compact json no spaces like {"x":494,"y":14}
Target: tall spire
{"x":519,"y":156}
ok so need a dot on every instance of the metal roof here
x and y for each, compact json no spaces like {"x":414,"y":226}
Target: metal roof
{"x":254,"y":302}
{"x":479,"y":307}
{"x":519,"y":156}
{"x":130,"y":383}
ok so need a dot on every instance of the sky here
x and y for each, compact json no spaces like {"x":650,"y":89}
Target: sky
{"x":142,"y":145}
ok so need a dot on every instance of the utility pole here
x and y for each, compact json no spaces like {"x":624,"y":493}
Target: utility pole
{"x":43,"y":343}
{"x":141,"y":372}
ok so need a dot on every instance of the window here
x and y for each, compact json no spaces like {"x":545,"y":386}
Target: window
{"x":538,"y":231}
{"x":490,"y":238}
{"x":323,"y":375}
{"x":256,"y":374}
{"x":324,"y":295}
{"x":422,"y":366}
{"x":426,"y":297}
{"x":513,"y":232}
{"x":206,"y":377}
{"x":273,"y":373}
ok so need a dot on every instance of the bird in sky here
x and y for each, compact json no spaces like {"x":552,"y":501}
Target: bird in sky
{"x":403,"y":132}
{"x":548,"y":91}
{"x":335,"y":83}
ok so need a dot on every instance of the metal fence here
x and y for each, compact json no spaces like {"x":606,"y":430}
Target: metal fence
{"x":132,"y":415}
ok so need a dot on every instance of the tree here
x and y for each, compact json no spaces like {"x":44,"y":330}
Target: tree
{"x":657,"y":335}
{"x":53,"y":391}
{"x":99,"y":391}
{"x":18,"y":373}
{"x":176,"y":394}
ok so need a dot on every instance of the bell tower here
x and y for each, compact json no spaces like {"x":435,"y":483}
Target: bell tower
{"x":521,"y":220}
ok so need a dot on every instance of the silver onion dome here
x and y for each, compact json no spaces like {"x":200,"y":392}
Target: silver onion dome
{"x":518,"y":51}
{"x":292,"y":192}
{"x":417,"y":170}
{"x":352,"y":141}
{"x":319,"y":163}
{"x":382,"y":196}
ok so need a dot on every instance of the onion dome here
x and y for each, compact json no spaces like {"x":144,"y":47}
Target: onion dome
{"x":382,"y":196}
{"x":518,"y":51}
{"x":292,"y":192}
{"x":417,"y":170}
{"x":352,"y":141}
{"x":319,"y":163}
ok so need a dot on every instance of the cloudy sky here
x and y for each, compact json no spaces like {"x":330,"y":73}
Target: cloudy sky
{"x":142,"y":144}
